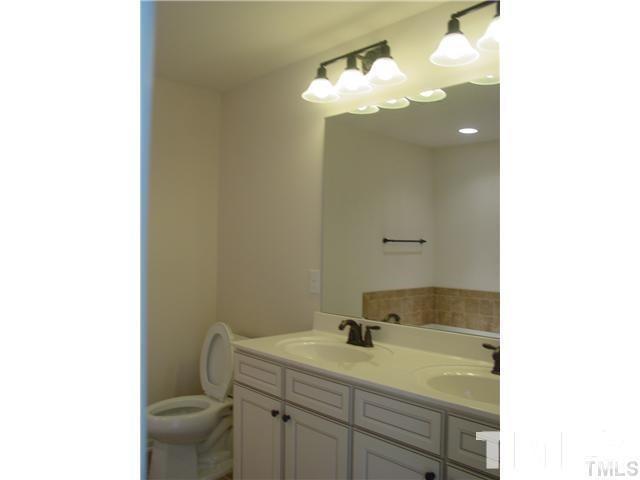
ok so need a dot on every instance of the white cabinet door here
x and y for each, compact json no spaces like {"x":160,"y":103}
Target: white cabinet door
{"x":457,"y":474}
{"x":375,"y":459}
{"x":315,"y":448}
{"x":257,"y":435}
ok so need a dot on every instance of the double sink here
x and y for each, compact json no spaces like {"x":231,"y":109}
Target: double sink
{"x":454,"y":377}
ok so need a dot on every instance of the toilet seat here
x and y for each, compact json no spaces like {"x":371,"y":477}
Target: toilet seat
{"x":186,"y":420}
{"x":216,"y":362}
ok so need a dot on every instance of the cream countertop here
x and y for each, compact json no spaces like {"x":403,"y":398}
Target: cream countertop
{"x":398,"y":363}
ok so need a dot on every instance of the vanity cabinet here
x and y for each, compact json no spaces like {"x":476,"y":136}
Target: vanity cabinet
{"x":376,"y":459}
{"x":463,"y":446}
{"x":269,"y":434}
{"x":291,"y":424}
{"x":257,"y":435}
{"x":454,"y":473}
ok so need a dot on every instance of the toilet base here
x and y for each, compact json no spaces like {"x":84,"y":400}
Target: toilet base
{"x":209,"y":460}
{"x":173,"y":462}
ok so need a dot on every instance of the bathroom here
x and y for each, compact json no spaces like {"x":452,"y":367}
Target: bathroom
{"x":290,"y":225}
{"x":319,"y":240}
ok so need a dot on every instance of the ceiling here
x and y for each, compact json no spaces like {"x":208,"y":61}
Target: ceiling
{"x":436,"y":124}
{"x":221,"y":45}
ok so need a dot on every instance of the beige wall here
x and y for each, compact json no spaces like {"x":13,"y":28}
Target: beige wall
{"x":374,"y":187}
{"x":182,"y":244}
{"x":467,"y":187}
{"x":271,"y":174}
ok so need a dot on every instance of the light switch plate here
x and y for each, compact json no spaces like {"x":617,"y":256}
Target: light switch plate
{"x":314,"y":281}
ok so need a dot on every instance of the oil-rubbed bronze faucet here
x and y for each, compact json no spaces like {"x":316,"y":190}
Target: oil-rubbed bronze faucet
{"x":355,"y":333}
{"x":368,"y":341}
{"x":496,"y":357}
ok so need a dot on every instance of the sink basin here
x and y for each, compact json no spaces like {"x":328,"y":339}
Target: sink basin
{"x":468,"y":382}
{"x":331,"y":351}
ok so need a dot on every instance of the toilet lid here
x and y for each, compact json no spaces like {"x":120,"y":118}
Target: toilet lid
{"x":216,"y":361}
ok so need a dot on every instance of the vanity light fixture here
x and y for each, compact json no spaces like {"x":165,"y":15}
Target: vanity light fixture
{"x":385,"y":70}
{"x":429,"y":96}
{"x":320,"y":90}
{"x":490,"y":41}
{"x":377,"y":68}
{"x":454,"y":49}
{"x":352,"y":80}
{"x":468,"y":131}
{"x":395,"y":103}
{"x":365,"y":110}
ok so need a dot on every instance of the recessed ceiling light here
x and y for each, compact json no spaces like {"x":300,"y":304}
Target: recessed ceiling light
{"x":468,"y":130}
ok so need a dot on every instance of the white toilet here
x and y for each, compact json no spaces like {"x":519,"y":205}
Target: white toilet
{"x":192,"y":434}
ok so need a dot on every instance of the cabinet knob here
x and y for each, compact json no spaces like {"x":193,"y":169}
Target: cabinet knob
{"x":285,"y":418}
{"x":429,"y":476}
{"x":275,"y":413}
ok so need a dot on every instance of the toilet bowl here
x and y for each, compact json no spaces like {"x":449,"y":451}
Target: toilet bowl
{"x":192,"y":434}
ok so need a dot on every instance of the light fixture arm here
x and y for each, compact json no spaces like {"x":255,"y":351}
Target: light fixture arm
{"x":473,"y":8}
{"x":355,"y":53}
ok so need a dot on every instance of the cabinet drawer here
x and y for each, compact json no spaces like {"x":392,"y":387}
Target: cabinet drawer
{"x":376,"y":459}
{"x":410,"y":424}
{"x":323,"y":396}
{"x":457,"y":474}
{"x":463,"y":446}
{"x":259,"y":374}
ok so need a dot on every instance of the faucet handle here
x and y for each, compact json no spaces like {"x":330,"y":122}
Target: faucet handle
{"x":488,"y":346}
{"x":368,"y":341}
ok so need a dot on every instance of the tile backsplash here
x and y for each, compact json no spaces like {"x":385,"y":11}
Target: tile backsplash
{"x":475,"y":309}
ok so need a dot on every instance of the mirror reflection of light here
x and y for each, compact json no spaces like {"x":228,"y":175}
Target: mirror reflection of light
{"x":365,"y":110}
{"x":395,"y":103}
{"x":488,"y":79}
{"x":468,"y":130}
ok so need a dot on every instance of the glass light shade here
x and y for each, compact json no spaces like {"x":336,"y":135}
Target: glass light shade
{"x":454,"y":50}
{"x":395,"y":103}
{"x":385,"y":71}
{"x":429,"y":96}
{"x":320,"y":91}
{"x":365,"y":110}
{"x":351,"y":82}
{"x":490,"y":41}
{"x":489,"y":79}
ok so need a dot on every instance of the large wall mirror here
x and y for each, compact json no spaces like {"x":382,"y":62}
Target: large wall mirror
{"x":408,"y":175}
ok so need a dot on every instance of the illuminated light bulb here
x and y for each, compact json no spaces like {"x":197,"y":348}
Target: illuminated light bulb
{"x":385,"y":70}
{"x":468,"y":131}
{"x":395,"y":103}
{"x":352,"y":81}
{"x":490,"y":41}
{"x":454,"y":49}
{"x":489,"y":79}
{"x":365,"y":110}
{"x":320,"y":89}
{"x":429,"y":96}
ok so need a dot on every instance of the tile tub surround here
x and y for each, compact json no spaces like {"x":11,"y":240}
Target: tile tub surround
{"x":474,"y":309}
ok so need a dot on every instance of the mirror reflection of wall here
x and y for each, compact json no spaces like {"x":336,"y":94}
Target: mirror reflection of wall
{"x":410,"y":174}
